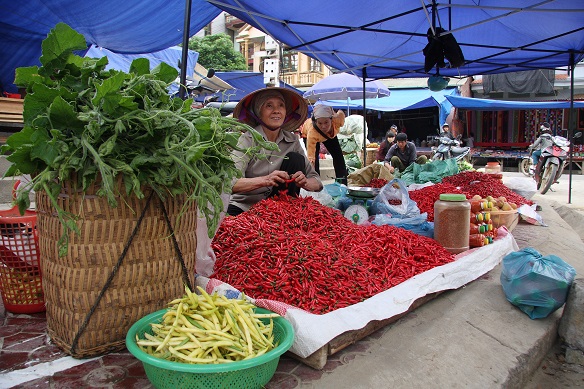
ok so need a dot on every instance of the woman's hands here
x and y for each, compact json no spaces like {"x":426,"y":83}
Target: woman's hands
{"x":279,"y":176}
{"x":276,"y":178}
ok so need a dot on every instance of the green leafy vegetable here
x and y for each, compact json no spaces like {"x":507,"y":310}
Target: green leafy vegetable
{"x":84,"y":124}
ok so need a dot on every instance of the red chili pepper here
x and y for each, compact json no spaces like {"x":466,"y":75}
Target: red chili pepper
{"x":326,"y":268}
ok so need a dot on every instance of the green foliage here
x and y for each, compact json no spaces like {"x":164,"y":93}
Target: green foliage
{"x":464,"y":165}
{"x":216,"y":52}
{"x":86,"y":125}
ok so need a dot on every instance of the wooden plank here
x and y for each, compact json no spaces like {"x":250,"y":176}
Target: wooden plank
{"x":318,"y":359}
{"x":11,"y":118}
{"x":11,"y":110}
{"x":11,"y":105}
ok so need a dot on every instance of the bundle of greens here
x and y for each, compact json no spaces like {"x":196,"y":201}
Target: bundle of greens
{"x":86,"y":125}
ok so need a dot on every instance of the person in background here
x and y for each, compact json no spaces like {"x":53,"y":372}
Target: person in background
{"x":402,"y":154}
{"x":385,"y":145}
{"x":275,"y":113}
{"x":470,"y":140}
{"x":446,"y":131}
{"x":544,"y":140}
{"x":323,"y":127}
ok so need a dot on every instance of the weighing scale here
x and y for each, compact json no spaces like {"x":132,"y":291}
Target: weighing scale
{"x":358,"y":212}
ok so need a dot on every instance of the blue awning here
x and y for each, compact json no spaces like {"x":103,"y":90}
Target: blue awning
{"x":170,"y":56}
{"x":121,"y":26}
{"x":403,"y":99}
{"x":243,"y":83}
{"x":386,"y":38}
{"x":506,"y":105}
{"x":376,"y":39}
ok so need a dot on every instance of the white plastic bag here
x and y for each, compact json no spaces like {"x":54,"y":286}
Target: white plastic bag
{"x":322,"y":197}
{"x":523,"y":186}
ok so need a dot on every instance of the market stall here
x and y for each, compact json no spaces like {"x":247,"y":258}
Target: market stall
{"x":337,"y":281}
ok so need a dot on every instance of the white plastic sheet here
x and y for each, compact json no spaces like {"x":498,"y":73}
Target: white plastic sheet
{"x":314,"y":331}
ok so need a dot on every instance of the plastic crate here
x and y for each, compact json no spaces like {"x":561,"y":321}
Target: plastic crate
{"x":20,"y":268}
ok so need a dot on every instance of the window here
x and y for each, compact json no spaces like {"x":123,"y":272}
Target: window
{"x":290,"y":61}
{"x":315,"y":65}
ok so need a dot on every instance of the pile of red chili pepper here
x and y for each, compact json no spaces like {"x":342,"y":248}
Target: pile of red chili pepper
{"x":426,"y":197}
{"x":469,"y":183}
{"x":484,"y":184}
{"x":297,"y":251}
{"x":377,"y":183}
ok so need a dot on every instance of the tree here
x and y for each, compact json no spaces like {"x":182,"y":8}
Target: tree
{"x":216,"y":52}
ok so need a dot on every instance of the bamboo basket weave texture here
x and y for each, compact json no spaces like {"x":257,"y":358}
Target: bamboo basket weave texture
{"x":370,"y":156}
{"x":149,"y":276}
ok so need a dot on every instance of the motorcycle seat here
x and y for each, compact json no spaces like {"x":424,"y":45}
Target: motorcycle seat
{"x":458,"y":150}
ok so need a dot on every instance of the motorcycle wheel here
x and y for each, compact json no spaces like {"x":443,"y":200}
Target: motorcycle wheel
{"x":524,"y":166}
{"x":547,"y":178}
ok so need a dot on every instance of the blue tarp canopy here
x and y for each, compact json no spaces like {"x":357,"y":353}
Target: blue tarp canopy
{"x":403,"y":99}
{"x":171,"y":56}
{"x":505,"y":105}
{"x":120,"y":61}
{"x":243,"y":83}
{"x":385,"y":38}
{"x":376,"y":39}
{"x":121,"y":26}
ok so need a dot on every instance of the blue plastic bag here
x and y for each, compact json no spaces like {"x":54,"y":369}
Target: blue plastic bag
{"x":536,"y":284}
{"x":417,"y":224}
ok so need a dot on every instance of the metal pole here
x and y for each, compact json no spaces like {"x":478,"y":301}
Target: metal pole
{"x":572,"y":122}
{"x":185,"y":50}
{"x":364,"y":119}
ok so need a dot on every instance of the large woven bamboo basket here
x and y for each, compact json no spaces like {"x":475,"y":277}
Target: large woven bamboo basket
{"x":370,"y":156}
{"x":126,"y":263}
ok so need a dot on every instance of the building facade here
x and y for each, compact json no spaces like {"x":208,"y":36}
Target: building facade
{"x":265,"y":55}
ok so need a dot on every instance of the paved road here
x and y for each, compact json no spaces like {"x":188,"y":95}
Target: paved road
{"x":559,"y":192}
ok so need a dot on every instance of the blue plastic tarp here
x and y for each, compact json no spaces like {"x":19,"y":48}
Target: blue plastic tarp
{"x":506,"y":105}
{"x":121,"y":26}
{"x":376,"y":39}
{"x":170,"y":56}
{"x":403,"y":99}
{"x":120,"y":61}
{"x":243,"y":83}
{"x":386,"y":38}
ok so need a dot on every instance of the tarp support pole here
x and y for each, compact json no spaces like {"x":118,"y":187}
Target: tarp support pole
{"x":364,"y":119}
{"x":572,"y":123}
{"x":185,"y":50}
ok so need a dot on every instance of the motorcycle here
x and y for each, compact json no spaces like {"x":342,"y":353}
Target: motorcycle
{"x":551,"y":163}
{"x":449,"y":148}
{"x":526,"y":166}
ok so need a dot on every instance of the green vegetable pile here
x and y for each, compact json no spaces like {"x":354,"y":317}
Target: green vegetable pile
{"x":86,"y":125}
{"x":464,"y":165}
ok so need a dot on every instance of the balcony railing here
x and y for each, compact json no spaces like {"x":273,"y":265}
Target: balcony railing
{"x":302,"y":79}
{"x":233,"y":23}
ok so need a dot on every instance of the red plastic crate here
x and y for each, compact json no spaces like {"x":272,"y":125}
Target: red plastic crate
{"x":12,"y":95}
{"x":20,"y":267}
